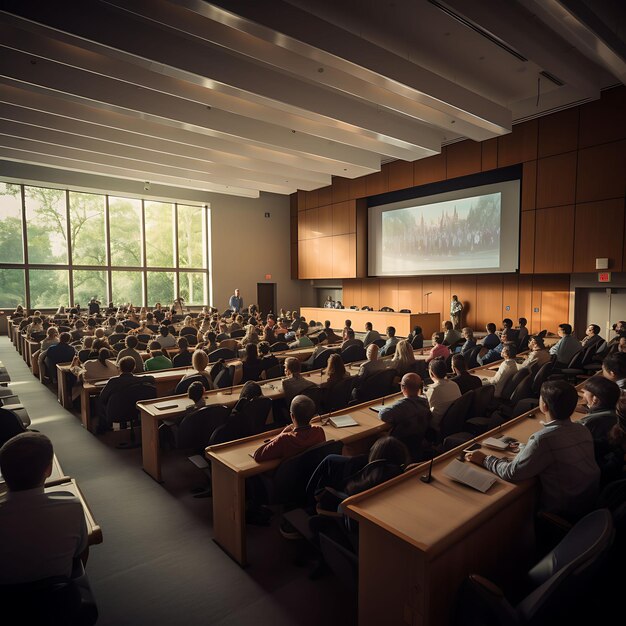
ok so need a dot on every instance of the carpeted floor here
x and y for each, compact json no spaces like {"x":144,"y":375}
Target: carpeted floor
{"x":158,"y":564}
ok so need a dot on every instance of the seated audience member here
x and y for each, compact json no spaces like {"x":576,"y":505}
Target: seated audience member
{"x":507,"y":327}
{"x":157,"y":360}
{"x":51,"y":339}
{"x":468,"y":334}
{"x":491,"y":340}
{"x":40,"y":533}
{"x":338,"y":304}
{"x":336,"y":371}
{"x":236,"y":324}
{"x":61,"y":352}
{"x":561,"y":455}
{"x":601,"y":396}
{"x":611,"y":452}
{"x":370,"y":334}
{"x":416,"y":338}
{"x":165,"y":338}
{"x":297,"y":436}
{"x":119,"y":384}
{"x":195,"y":392}
{"x":538,"y":353}
{"x":249,"y":392}
{"x":280,"y":330}
{"x":199,"y":363}
{"x":302,"y":340}
{"x":592,"y":336}
{"x":522,"y":331}
{"x":267,"y":358}
{"x":462,"y":377}
{"x":229,"y":344}
{"x":35,"y":327}
{"x":621,"y":346}
{"x":251,"y":335}
{"x":252,"y":365}
{"x":614,"y":368}
{"x":442,"y":393}
{"x":349,"y":339}
{"x":620,"y":331}
{"x":372,"y":365}
{"x":331,"y":335}
{"x":210,"y":342}
{"x":506,"y":371}
{"x":294,"y":384}
{"x":329,"y":303}
{"x":566,"y":347}
{"x":410,"y":416}
{"x":96,"y":369}
{"x":495,"y":354}
{"x":403,"y":360}
{"x":131,"y":350}
{"x":451,"y":335}
{"x":183,"y":358}
{"x":438,"y":351}
{"x":392,"y":340}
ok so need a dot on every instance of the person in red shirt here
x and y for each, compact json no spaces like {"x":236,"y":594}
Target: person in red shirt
{"x":297,"y":436}
{"x":438,"y":350}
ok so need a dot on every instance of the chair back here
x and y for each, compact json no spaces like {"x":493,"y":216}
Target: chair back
{"x":483,"y":397}
{"x":577,"y":360}
{"x":143,"y":338}
{"x":453,"y":420}
{"x":523,"y":344}
{"x":83,"y":355}
{"x":10,"y":425}
{"x":221,"y":353}
{"x":321,"y":360}
{"x":541,"y":376}
{"x":279,"y":346}
{"x":588,"y":354}
{"x":405,"y":310}
{"x":542,"y":333}
{"x":293,"y":474}
{"x":523,"y":389}
{"x":377,"y":385}
{"x":472,"y":357}
{"x":235,"y":334}
{"x":387,"y":309}
{"x":379,"y":342}
{"x":417,"y":342}
{"x":338,"y":396}
{"x":225,"y":378}
{"x":512,"y":383}
{"x":315,"y":393}
{"x":342,"y":561}
{"x":195,"y":430}
{"x":188,"y":330}
{"x":253,"y":415}
{"x":122,"y":406}
{"x":184,"y":384}
{"x":275,"y":371}
{"x":353,"y":353}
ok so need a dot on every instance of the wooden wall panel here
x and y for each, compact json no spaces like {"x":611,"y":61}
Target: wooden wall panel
{"x":377,"y":183}
{"x":294,"y":260}
{"x":348,"y":292}
{"x":510,"y":293}
{"x":325,"y":195}
{"x":430,"y":170}
{"x":518,"y":146}
{"x":524,"y":298}
{"x":599,"y":232}
{"x":489,"y":154}
{"x":370,"y":293}
{"x":400,"y":175}
{"x":358,"y":187}
{"x":529,"y":186}
{"x":301,"y":200}
{"x":435,"y":299}
{"x":410,"y":292}
{"x":341,"y":217}
{"x":341,"y":257}
{"x":556,"y":180}
{"x":551,"y":295}
{"x":325,"y":221}
{"x":354,"y":254}
{"x":293,"y":229}
{"x":312,"y":199}
{"x":527,"y":243}
{"x":558,"y":133}
{"x":603,"y":120}
{"x":312,"y":223}
{"x":601,"y":172}
{"x":488,"y":299}
{"x":464,"y":287}
{"x":389,"y":294}
{"x":325,"y":263}
{"x":554,"y":240}
{"x":463,"y":158}
{"x":340,"y":189}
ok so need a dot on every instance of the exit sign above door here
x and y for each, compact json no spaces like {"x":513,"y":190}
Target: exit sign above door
{"x":604,"y":277}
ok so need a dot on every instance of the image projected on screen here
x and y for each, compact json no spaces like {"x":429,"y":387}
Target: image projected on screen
{"x":451,"y":235}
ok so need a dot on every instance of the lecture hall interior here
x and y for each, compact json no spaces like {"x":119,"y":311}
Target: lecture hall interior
{"x":383,"y":156}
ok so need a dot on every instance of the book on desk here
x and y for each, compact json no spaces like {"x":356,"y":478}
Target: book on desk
{"x":341,"y":421}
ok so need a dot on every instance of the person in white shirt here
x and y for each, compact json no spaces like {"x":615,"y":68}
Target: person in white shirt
{"x":165,"y":338}
{"x":505,"y":372}
{"x":442,"y":393}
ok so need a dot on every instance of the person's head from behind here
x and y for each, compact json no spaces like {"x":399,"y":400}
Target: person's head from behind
{"x":411,"y":385}
{"x":336,"y":367}
{"x":507,"y":323}
{"x":404,"y":352}
{"x":565,"y":329}
{"x":391,"y":331}
{"x":103,"y":355}
{"x":182,"y":344}
{"x":26,"y":461}
{"x":252,"y":352}
{"x":199,"y":360}
{"x":448,"y":325}
{"x":389,"y":449}
{"x":558,"y":399}
{"x":126,"y":365}
{"x":508,"y":352}
{"x":164,"y":330}
{"x":491,"y":328}
{"x":88,"y":343}
{"x":154,"y":347}
{"x":195,"y":391}
{"x":302,"y":409}
{"x":368,"y":326}
{"x":292,"y":367}
{"x":120,"y":328}
{"x":468,"y":333}
{"x":349,"y":334}
{"x":437,"y":369}
{"x":437,"y":338}
{"x":131,"y":341}
{"x":251,"y":390}
{"x":417,"y":330}
{"x":210,"y":337}
{"x":459,"y":364}
{"x":614,"y":366}
{"x":522,"y":321}
{"x":536,"y":343}
{"x":348,"y":323}
{"x":52,"y":332}
{"x":99,"y":333}
{"x":327,"y":324}
{"x":65,"y":338}
{"x":601,"y":394}
{"x":372,"y":352}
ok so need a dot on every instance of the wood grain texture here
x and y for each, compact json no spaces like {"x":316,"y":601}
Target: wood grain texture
{"x":388,"y":294}
{"x":463,"y":158}
{"x":342,"y":222}
{"x":326,"y":260}
{"x":527,"y":243}
{"x":311,"y":199}
{"x":603,"y":120}
{"x":599,"y":233}
{"x":489,"y":154}
{"x":558,"y":132}
{"x":601,"y":172}
{"x":376,"y":183}
{"x":518,"y":146}
{"x":556,"y":180}
{"x":400,"y":174}
{"x":430,"y":170}
{"x":554,"y":240}
{"x":325,"y":195}
{"x":529,"y":186}
{"x":489,"y":299}
{"x":325,"y":221}
{"x":340,"y":189}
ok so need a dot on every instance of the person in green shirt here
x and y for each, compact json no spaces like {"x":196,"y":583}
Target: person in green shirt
{"x":157,"y":360}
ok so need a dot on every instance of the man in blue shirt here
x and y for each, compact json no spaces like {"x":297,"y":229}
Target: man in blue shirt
{"x":566,"y":347}
{"x":235,"y":303}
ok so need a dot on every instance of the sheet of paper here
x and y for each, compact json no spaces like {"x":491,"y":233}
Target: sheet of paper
{"x":469,"y":475}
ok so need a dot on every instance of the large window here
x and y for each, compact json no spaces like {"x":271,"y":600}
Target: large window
{"x":65,"y":247}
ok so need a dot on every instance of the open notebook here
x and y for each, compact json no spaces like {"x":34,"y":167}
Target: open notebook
{"x":469,"y":475}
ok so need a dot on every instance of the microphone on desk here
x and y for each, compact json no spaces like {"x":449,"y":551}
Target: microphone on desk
{"x":427,"y":478}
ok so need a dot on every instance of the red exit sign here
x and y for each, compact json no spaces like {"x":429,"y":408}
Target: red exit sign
{"x":604,"y":277}
{"x":268,"y":277}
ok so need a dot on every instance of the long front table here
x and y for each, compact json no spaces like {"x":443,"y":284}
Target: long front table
{"x":402,"y":322}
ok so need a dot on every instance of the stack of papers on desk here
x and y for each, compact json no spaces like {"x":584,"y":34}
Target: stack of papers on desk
{"x":341,"y":421}
{"x":496,"y":444}
{"x":464,"y":472}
